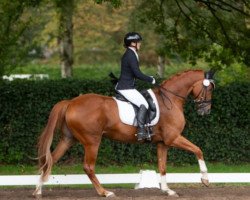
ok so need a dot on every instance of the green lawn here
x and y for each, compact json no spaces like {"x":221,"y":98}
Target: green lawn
{"x":236,"y":72}
{"x":77,"y":169}
{"x":98,"y":71}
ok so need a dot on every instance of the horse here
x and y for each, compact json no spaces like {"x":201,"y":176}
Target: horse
{"x":89,"y":117}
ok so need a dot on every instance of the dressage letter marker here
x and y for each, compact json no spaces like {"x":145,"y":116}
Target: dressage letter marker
{"x":149,"y":179}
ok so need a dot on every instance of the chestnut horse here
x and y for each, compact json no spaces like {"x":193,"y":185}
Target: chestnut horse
{"x":89,"y":117}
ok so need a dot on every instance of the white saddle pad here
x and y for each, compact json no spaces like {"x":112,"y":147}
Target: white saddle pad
{"x":127,"y":112}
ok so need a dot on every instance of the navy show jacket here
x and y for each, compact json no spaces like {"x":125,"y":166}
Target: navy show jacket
{"x":130,"y":71}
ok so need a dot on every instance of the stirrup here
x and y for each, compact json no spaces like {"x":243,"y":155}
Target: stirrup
{"x":140,"y":135}
{"x":143,"y":135}
{"x":149,"y":130}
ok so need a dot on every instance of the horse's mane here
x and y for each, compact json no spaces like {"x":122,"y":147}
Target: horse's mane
{"x":182,"y":73}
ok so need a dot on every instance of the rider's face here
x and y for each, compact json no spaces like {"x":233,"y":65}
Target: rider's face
{"x":138,"y":45}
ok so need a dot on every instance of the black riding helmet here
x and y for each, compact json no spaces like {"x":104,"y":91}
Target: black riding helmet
{"x":131,"y":37}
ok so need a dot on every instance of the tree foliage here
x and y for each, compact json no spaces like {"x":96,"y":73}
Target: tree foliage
{"x":22,"y":27}
{"x":15,"y":38}
{"x":115,"y":3}
{"x":193,"y":29}
{"x":99,"y":31}
{"x":217,"y":31}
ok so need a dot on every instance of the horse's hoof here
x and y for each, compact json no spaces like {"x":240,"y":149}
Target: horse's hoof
{"x":110,"y":194}
{"x":174,"y":195}
{"x":205,"y":182}
{"x":37,"y":196}
{"x":171,"y":193}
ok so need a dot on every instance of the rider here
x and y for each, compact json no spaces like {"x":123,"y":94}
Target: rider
{"x":126,"y":84}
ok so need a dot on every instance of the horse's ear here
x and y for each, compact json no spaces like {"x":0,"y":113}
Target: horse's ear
{"x":209,"y":74}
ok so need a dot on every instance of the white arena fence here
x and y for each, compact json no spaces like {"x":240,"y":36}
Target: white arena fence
{"x":25,"y":76}
{"x":146,"y":176}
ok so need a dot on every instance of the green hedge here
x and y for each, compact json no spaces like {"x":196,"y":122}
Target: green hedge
{"x":25,"y":105}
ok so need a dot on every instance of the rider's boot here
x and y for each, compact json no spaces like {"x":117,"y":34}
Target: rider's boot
{"x":141,"y":118}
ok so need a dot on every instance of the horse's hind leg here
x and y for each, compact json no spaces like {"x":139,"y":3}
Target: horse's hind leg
{"x":90,"y":156}
{"x":64,"y":144}
{"x":183,"y":143}
{"x":61,"y":148}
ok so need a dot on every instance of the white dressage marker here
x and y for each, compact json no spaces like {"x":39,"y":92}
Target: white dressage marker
{"x":148,"y":179}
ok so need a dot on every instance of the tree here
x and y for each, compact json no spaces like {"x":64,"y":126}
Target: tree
{"x":16,"y":34}
{"x":14,"y":38}
{"x":65,"y":10}
{"x":215,"y":30}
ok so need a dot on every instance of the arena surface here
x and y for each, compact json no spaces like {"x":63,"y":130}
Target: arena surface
{"x":185,"y":193}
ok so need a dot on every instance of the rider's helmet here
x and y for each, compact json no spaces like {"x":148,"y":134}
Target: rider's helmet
{"x":131,"y":37}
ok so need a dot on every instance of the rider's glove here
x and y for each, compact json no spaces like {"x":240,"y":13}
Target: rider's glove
{"x":153,"y":82}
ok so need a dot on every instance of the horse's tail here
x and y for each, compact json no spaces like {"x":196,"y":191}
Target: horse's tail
{"x":55,"y":121}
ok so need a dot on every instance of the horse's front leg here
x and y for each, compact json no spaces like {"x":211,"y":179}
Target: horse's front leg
{"x":183,"y":143}
{"x":162,"y":163}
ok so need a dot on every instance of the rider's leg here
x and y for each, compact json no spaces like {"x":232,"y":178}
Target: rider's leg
{"x":136,"y":98}
{"x":141,"y":119}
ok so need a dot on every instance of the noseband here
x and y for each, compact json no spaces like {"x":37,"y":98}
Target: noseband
{"x":202,"y":102}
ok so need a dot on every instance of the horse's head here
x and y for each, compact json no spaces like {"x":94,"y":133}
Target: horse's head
{"x":202,"y":93}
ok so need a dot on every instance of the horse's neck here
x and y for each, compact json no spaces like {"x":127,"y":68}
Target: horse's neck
{"x":181,"y":84}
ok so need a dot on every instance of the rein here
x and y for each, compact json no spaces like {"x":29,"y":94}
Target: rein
{"x":162,"y":94}
{"x":199,"y":102}
{"x":160,"y":87}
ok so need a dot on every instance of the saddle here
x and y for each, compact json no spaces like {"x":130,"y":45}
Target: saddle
{"x":151,"y":110}
{"x":128,"y":111}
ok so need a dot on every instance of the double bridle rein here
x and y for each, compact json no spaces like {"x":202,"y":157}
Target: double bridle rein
{"x":202,"y":102}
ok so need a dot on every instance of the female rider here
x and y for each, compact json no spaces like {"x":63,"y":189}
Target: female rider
{"x":126,"y":84}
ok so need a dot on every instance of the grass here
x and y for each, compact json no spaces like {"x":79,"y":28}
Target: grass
{"x":97,"y":71}
{"x":77,"y":169}
{"x":235,"y":72}
{"x":93,"y":72}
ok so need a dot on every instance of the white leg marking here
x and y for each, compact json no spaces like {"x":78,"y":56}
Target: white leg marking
{"x":203,"y":169}
{"x":202,"y":165}
{"x":38,"y":190}
{"x":165,"y":188}
{"x":109,"y":194}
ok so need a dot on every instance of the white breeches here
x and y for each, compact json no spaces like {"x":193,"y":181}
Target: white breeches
{"x":134,"y":97}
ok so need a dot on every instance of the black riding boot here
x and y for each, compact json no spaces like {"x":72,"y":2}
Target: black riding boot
{"x":141,"y":118}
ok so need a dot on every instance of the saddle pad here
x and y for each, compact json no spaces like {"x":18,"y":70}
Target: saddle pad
{"x":127,"y":112}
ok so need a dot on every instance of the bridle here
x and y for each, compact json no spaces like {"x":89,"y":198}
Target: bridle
{"x":203,"y":102}
{"x":200,"y":100}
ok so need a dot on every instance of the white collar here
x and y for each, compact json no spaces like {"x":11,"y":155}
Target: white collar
{"x":133,"y":49}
